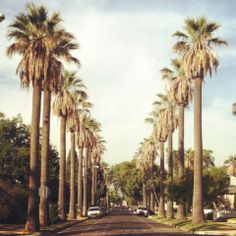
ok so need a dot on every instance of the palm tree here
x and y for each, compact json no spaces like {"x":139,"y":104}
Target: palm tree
{"x":171,"y":124}
{"x":97,"y":151}
{"x":181,"y":93}
{"x":230,"y":163}
{"x":89,"y":128}
{"x":143,"y":165}
{"x":73,"y":124}
{"x":64,"y":106}
{"x":160,"y":134}
{"x":59,"y":41}
{"x":32,"y":33}
{"x":166,"y":108}
{"x":189,"y":154}
{"x":195,"y":47}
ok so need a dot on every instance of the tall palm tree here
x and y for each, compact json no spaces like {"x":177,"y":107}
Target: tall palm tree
{"x":189,"y":156}
{"x":161,"y":136}
{"x":61,"y":42}
{"x":143,"y":165}
{"x":169,"y":110}
{"x":196,"y":48}
{"x":160,"y":133}
{"x":97,"y":151}
{"x":64,"y":106}
{"x":73,"y":124}
{"x":89,"y":127}
{"x":181,"y":92}
{"x":32,"y":33}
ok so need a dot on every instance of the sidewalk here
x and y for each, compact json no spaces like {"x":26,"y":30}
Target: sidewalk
{"x":10,"y":230}
{"x":223,"y":229}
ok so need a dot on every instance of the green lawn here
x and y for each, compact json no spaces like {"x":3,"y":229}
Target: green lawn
{"x":187,"y":225}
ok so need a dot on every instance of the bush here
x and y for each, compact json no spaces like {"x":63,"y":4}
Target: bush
{"x":53,"y":213}
{"x":13,"y":202}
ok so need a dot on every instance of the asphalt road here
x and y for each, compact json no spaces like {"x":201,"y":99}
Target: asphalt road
{"x":121,"y":222}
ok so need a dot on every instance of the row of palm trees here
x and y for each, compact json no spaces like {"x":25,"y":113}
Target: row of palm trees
{"x":195,"y":60}
{"x":43,"y":45}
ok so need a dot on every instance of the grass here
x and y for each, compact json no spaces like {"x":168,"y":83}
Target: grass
{"x":8,"y":229}
{"x":187,"y":225}
{"x":61,"y":225}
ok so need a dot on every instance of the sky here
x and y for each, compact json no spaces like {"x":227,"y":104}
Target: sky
{"x":123,"y":46}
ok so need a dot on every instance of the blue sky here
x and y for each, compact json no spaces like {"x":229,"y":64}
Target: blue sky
{"x":123,"y":46}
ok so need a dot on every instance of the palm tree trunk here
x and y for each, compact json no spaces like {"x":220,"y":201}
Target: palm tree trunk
{"x":85,"y":183}
{"x":152,"y":202}
{"x":181,"y":208}
{"x":93,"y":186}
{"x":62,"y":172}
{"x":144,"y":195}
{"x":170,"y":212}
{"x":162,"y":168}
{"x":89,"y":178}
{"x":32,"y":223}
{"x":43,"y":207}
{"x":72,"y":214}
{"x":198,"y":215}
{"x":80,"y":181}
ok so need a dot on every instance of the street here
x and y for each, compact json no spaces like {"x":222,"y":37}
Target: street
{"x":121,"y":222}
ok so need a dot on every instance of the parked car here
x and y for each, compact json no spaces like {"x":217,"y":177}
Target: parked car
{"x":94,"y":212}
{"x":142,"y":210}
{"x":209,"y":213}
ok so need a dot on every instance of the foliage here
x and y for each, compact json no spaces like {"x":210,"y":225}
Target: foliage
{"x":14,"y":168}
{"x":126,"y":178}
{"x":180,"y":190}
{"x":208,"y":159}
{"x":53,"y":213}
{"x":115,"y":196}
{"x":14,"y":149}
{"x":215,"y":181}
{"x":101,"y":184}
{"x":13,"y":202}
{"x":230,"y":163}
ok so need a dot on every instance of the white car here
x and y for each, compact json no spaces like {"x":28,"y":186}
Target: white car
{"x":142,"y":210}
{"x":94,"y":212}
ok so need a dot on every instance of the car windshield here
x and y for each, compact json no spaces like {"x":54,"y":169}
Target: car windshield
{"x":94,"y":209}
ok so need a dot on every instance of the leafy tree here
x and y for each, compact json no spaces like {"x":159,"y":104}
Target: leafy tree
{"x":216,"y":183}
{"x":126,"y":178}
{"x":14,"y":167}
{"x":115,"y":197}
{"x":14,"y":149}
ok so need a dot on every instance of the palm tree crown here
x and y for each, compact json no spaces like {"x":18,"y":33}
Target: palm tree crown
{"x":196,"y":46}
